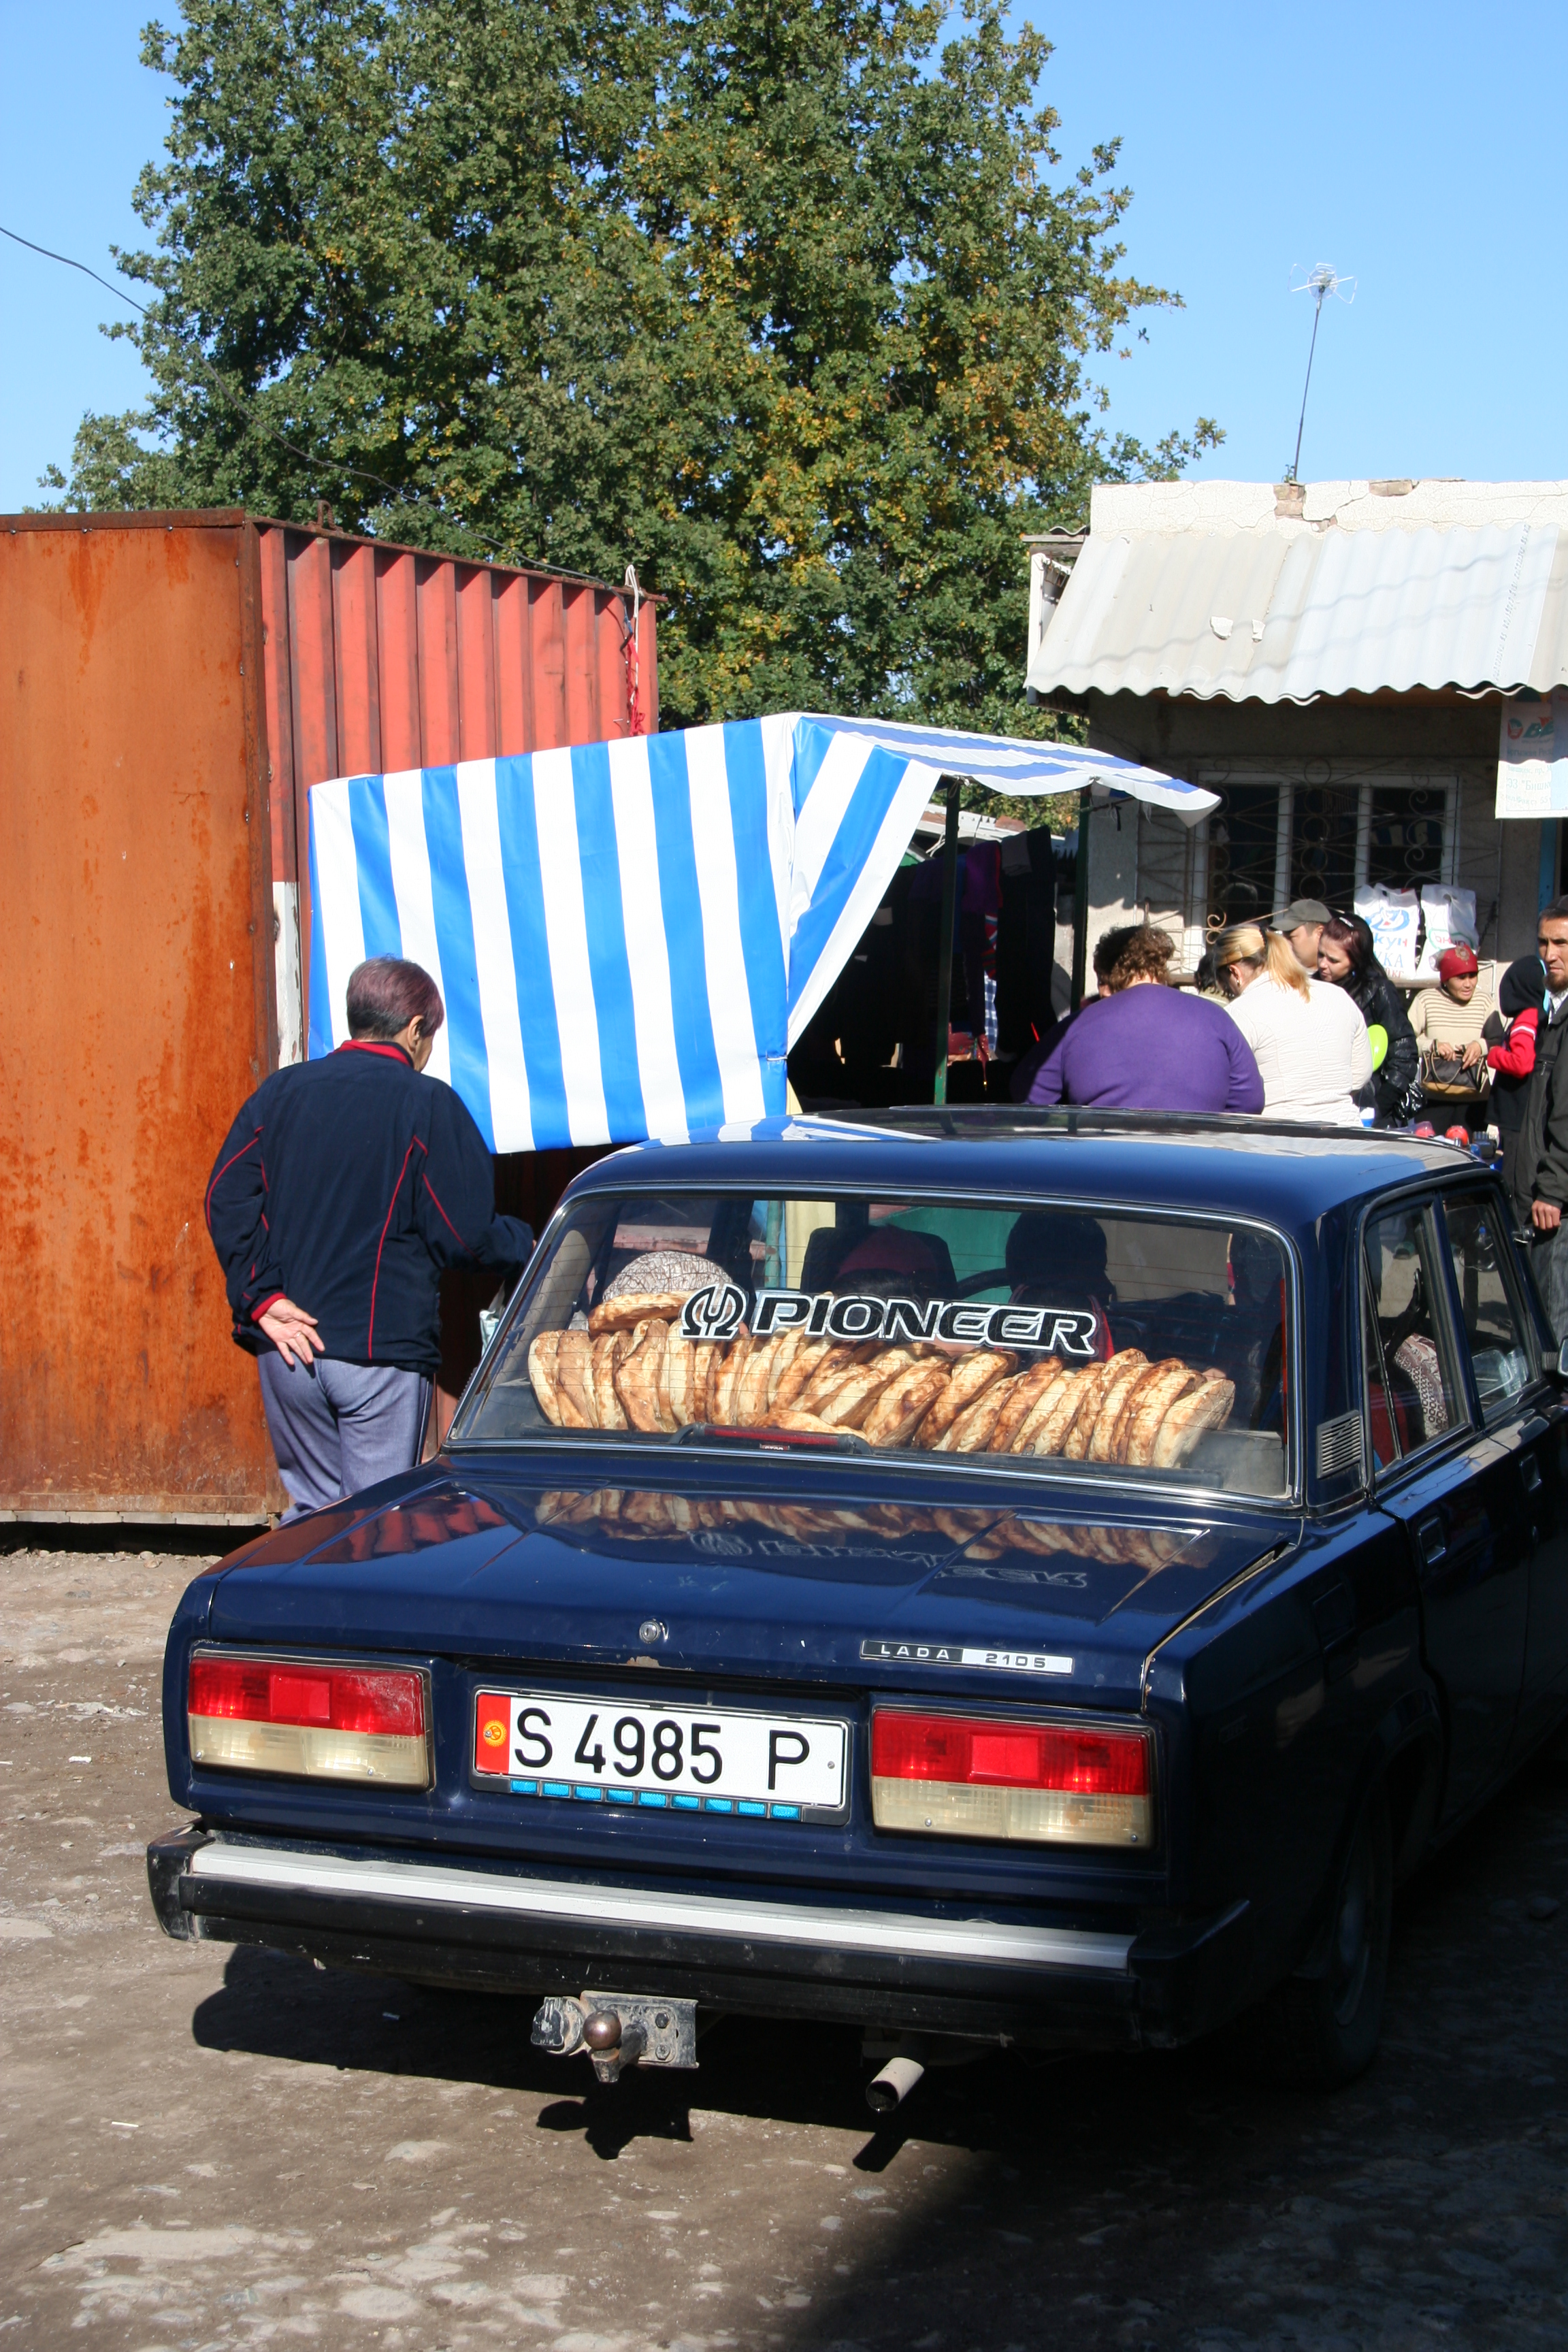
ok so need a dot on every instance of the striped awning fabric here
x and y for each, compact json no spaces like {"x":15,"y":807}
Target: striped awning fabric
{"x":629,"y":937}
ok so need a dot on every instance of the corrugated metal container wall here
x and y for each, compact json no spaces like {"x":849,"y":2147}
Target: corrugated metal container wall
{"x":171,"y":686}
{"x":379,"y":658}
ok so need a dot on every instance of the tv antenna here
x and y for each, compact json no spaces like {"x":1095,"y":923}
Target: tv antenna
{"x":1320,"y":283}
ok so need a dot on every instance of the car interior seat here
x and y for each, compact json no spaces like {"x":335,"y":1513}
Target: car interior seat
{"x":829,"y":1245}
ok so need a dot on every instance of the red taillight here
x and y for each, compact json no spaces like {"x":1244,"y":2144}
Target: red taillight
{"x":968,"y":1776}
{"x":327,"y":1722}
{"x":955,"y":1748}
{"x":386,"y":1700}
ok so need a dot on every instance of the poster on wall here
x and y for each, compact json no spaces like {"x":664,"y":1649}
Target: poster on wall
{"x":1532,"y":755}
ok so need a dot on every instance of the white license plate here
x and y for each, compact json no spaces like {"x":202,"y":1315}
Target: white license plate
{"x":631,"y":1753}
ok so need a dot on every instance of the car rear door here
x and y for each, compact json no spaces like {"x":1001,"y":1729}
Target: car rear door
{"x":1521,"y":1414}
{"x":1454,"y":1488}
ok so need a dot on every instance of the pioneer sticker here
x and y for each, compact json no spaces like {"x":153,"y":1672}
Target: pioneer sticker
{"x":715,"y":1313}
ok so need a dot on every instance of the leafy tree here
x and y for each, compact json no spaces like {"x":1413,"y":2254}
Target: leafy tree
{"x":780,"y":303}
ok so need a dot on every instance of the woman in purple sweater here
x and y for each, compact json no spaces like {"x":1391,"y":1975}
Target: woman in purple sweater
{"x":1146,"y":1045}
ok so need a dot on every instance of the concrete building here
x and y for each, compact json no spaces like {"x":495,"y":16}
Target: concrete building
{"x":1365,"y":672}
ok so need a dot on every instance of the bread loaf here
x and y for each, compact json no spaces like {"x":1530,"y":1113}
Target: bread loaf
{"x":677,"y":1377}
{"x":542,"y":1351}
{"x":633,"y":1307}
{"x":750,"y":1401}
{"x":903,"y":1404}
{"x":637,"y":1378}
{"x":1117,"y":1436}
{"x":1047,"y":1425}
{"x":1147,"y":1409}
{"x":1122,"y":1375}
{"x":575,"y":1380}
{"x":1023,"y":1395}
{"x":971,"y":1433}
{"x":794,"y":1378}
{"x":854,"y":1396}
{"x":790,"y":1344}
{"x":722,"y":1384}
{"x":1191,"y":1418}
{"x":971,"y":1375}
{"x":842,"y":1357}
{"x":1076,"y":1445}
{"x":604,"y":1354}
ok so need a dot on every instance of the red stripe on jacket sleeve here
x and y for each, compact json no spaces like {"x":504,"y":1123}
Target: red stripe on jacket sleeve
{"x":219,"y":1173}
{"x":446,"y":1220}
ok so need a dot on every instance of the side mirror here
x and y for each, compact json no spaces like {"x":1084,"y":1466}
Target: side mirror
{"x":1563,"y":1361}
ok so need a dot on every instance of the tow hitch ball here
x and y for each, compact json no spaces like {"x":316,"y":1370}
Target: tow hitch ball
{"x":617,"y":2030}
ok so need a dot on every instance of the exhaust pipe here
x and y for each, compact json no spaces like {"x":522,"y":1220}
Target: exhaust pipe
{"x":898,"y":2078}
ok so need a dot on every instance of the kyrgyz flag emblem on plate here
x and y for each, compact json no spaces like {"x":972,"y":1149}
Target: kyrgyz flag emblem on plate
{"x":492,"y":1729}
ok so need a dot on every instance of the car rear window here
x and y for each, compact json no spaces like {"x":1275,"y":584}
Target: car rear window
{"x":1100,"y":1339}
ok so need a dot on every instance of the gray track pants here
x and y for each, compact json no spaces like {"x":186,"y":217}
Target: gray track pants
{"x":337,"y":1427}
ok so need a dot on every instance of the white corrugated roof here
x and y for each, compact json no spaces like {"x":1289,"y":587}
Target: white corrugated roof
{"x":1234,"y":589}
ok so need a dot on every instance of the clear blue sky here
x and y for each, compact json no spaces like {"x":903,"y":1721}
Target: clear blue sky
{"x":1412,"y":147}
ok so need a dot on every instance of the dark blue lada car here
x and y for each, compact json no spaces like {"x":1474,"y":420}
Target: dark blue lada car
{"x":1042,"y":1581}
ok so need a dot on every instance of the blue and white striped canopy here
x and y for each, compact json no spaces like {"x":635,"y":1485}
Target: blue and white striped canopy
{"x":629,"y":936}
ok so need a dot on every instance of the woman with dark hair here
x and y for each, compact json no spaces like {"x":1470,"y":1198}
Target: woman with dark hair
{"x":1347,"y":957}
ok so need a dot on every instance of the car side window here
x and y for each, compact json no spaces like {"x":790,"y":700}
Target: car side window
{"x":1489,"y":1309}
{"x":1410,"y":1395}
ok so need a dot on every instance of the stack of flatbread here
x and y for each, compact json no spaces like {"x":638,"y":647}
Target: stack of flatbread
{"x":634,"y":1368}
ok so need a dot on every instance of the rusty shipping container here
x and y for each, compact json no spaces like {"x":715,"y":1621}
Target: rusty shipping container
{"x":171,"y":687}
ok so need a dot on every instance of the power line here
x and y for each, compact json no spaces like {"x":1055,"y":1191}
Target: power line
{"x":119,"y":294}
{"x":240,"y":399}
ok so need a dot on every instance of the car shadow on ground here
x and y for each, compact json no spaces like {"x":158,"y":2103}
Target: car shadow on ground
{"x":274,"y":2005}
{"x":1133,"y":2200}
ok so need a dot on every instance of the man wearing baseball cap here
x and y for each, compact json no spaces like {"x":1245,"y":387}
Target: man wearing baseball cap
{"x":1302,"y":924}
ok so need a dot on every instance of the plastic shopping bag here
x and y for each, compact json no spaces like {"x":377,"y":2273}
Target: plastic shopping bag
{"x":1394,"y":919}
{"x":1450,"y":915}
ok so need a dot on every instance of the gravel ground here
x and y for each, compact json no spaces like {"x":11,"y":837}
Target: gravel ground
{"x":203,"y":2148}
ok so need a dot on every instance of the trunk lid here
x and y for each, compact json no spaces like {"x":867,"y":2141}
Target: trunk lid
{"x":818,"y":1573}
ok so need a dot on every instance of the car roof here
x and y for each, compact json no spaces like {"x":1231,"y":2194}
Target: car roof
{"x":1284,"y":1173}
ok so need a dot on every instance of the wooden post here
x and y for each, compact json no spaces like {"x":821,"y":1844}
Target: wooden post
{"x":944,"y":953}
{"x":1081,"y":904}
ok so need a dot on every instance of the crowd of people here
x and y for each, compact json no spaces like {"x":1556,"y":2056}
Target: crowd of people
{"x":375,"y":1177}
{"x":1299,"y":1020}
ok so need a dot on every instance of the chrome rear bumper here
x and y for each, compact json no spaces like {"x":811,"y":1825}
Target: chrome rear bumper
{"x":537,"y":1932}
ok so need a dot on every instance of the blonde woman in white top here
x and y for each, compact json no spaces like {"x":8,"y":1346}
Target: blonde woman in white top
{"x":1308,"y":1038}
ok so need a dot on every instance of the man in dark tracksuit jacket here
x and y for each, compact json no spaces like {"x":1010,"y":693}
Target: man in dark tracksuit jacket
{"x":342,"y":1190}
{"x":1538,"y":1169}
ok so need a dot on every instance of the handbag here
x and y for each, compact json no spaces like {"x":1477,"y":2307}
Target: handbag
{"x":1446,"y":1077}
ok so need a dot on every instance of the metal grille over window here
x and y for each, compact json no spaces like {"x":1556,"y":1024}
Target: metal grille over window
{"x":1325,"y":829}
